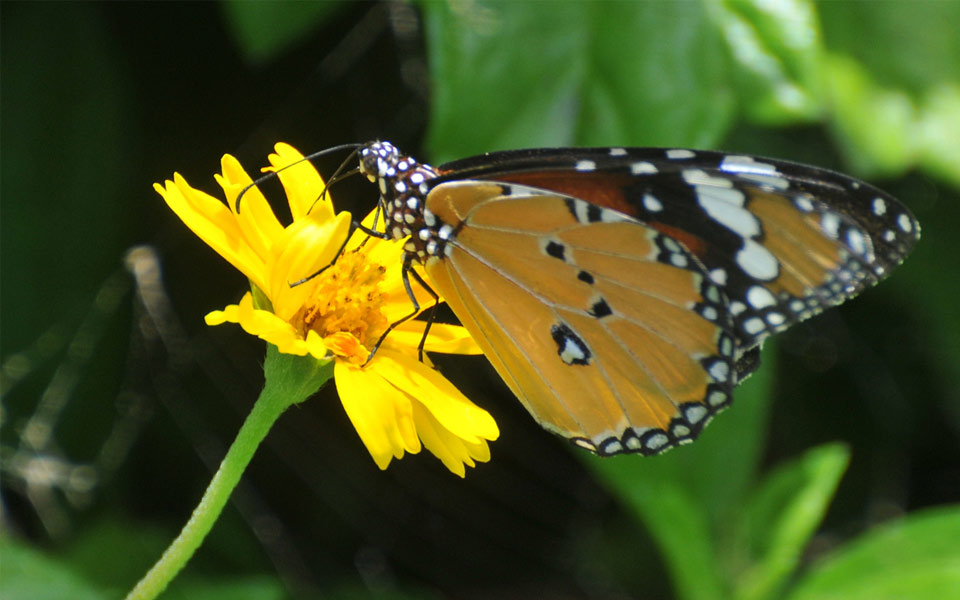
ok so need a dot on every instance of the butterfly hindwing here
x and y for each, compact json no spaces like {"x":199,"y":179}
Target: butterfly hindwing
{"x":609,"y":332}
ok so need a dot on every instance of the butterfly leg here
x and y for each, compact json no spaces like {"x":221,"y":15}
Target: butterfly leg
{"x":354,"y":226}
{"x":407,"y":271}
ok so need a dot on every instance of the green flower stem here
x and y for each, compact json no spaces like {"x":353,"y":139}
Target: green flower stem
{"x":288,"y":380}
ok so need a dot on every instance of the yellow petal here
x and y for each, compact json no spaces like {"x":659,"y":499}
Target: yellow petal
{"x":255,"y":217}
{"x":268,"y":327}
{"x":305,"y":248}
{"x":454,"y":452}
{"x":212,"y":222}
{"x":381,"y":414}
{"x":443,"y":337}
{"x":444,"y":401}
{"x":301,"y":182}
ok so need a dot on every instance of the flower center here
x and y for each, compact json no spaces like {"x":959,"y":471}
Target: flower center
{"x":346,"y":307}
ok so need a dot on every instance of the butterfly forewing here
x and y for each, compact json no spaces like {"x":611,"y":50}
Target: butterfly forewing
{"x":783,"y":240}
{"x":609,"y":332}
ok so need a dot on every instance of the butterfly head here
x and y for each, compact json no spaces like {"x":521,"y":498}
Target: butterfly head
{"x":404,"y":185}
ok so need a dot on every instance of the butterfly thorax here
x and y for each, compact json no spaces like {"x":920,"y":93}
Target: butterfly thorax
{"x":404,"y":184}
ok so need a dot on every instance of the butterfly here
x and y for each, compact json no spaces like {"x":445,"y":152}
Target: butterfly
{"x":622,"y":293}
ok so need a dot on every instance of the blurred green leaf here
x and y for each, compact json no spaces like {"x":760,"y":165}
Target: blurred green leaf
{"x":894,"y":84}
{"x":679,"y":523}
{"x":938,"y":129}
{"x":263,"y":29}
{"x":915,"y":557}
{"x":909,"y":45}
{"x":886,"y":130}
{"x":685,"y":496}
{"x":875,"y":126}
{"x":776,"y":48}
{"x":564,"y":73}
{"x":66,"y":168}
{"x":675,"y":74}
{"x":26,"y":574}
{"x":783,"y":514}
{"x":130,"y":555}
{"x":235,"y":588}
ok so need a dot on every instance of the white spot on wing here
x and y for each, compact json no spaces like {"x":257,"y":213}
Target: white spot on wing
{"x":718,"y":276}
{"x":719,"y":370}
{"x":699,"y":177}
{"x":857,"y":241}
{"x":775,"y":318}
{"x":753,"y":325}
{"x":731,"y":215}
{"x":738,"y":163}
{"x":746,"y":167}
{"x":618,"y":152}
{"x":571,"y":352}
{"x":679,"y":153}
{"x":655,"y":442}
{"x":830,"y":224}
{"x":651,"y":203}
{"x":643,"y":168}
{"x":804,"y":203}
{"x":757,"y":262}
{"x":586,"y":165}
{"x":760,"y":297}
{"x":695,"y":414}
{"x":904,"y":223}
{"x":879,"y":206}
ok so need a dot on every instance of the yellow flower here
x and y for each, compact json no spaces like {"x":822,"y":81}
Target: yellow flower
{"x":395,"y":401}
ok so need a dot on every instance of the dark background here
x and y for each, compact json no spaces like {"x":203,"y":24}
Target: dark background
{"x":102,"y":100}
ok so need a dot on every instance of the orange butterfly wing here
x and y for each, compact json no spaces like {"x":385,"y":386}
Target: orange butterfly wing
{"x":609,"y":332}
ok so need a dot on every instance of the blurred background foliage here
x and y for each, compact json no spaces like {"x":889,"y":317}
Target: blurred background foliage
{"x":836,"y":474}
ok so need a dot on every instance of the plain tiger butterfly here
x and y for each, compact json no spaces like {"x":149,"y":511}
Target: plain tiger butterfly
{"x":621,"y":293}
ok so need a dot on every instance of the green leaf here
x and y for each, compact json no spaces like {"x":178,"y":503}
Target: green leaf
{"x":236,"y":588}
{"x":66,"y":173}
{"x":938,"y":125}
{"x":263,"y":30}
{"x":528,"y":74}
{"x":131,"y":555}
{"x":894,"y":84}
{"x":875,"y":126}
{"x":887,"y":130}
{"x":909,"y":45}
{"x":26,"y":574}
{"x":783,"y":514}
{"x":777,"y":49}
{"x":680,"y":524}
{"x":684,"y":496}
{"x":915,"y":557}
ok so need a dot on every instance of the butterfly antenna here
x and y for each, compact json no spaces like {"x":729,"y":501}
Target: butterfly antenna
{"x":339,"y":175}
{"x":272,"y":174}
